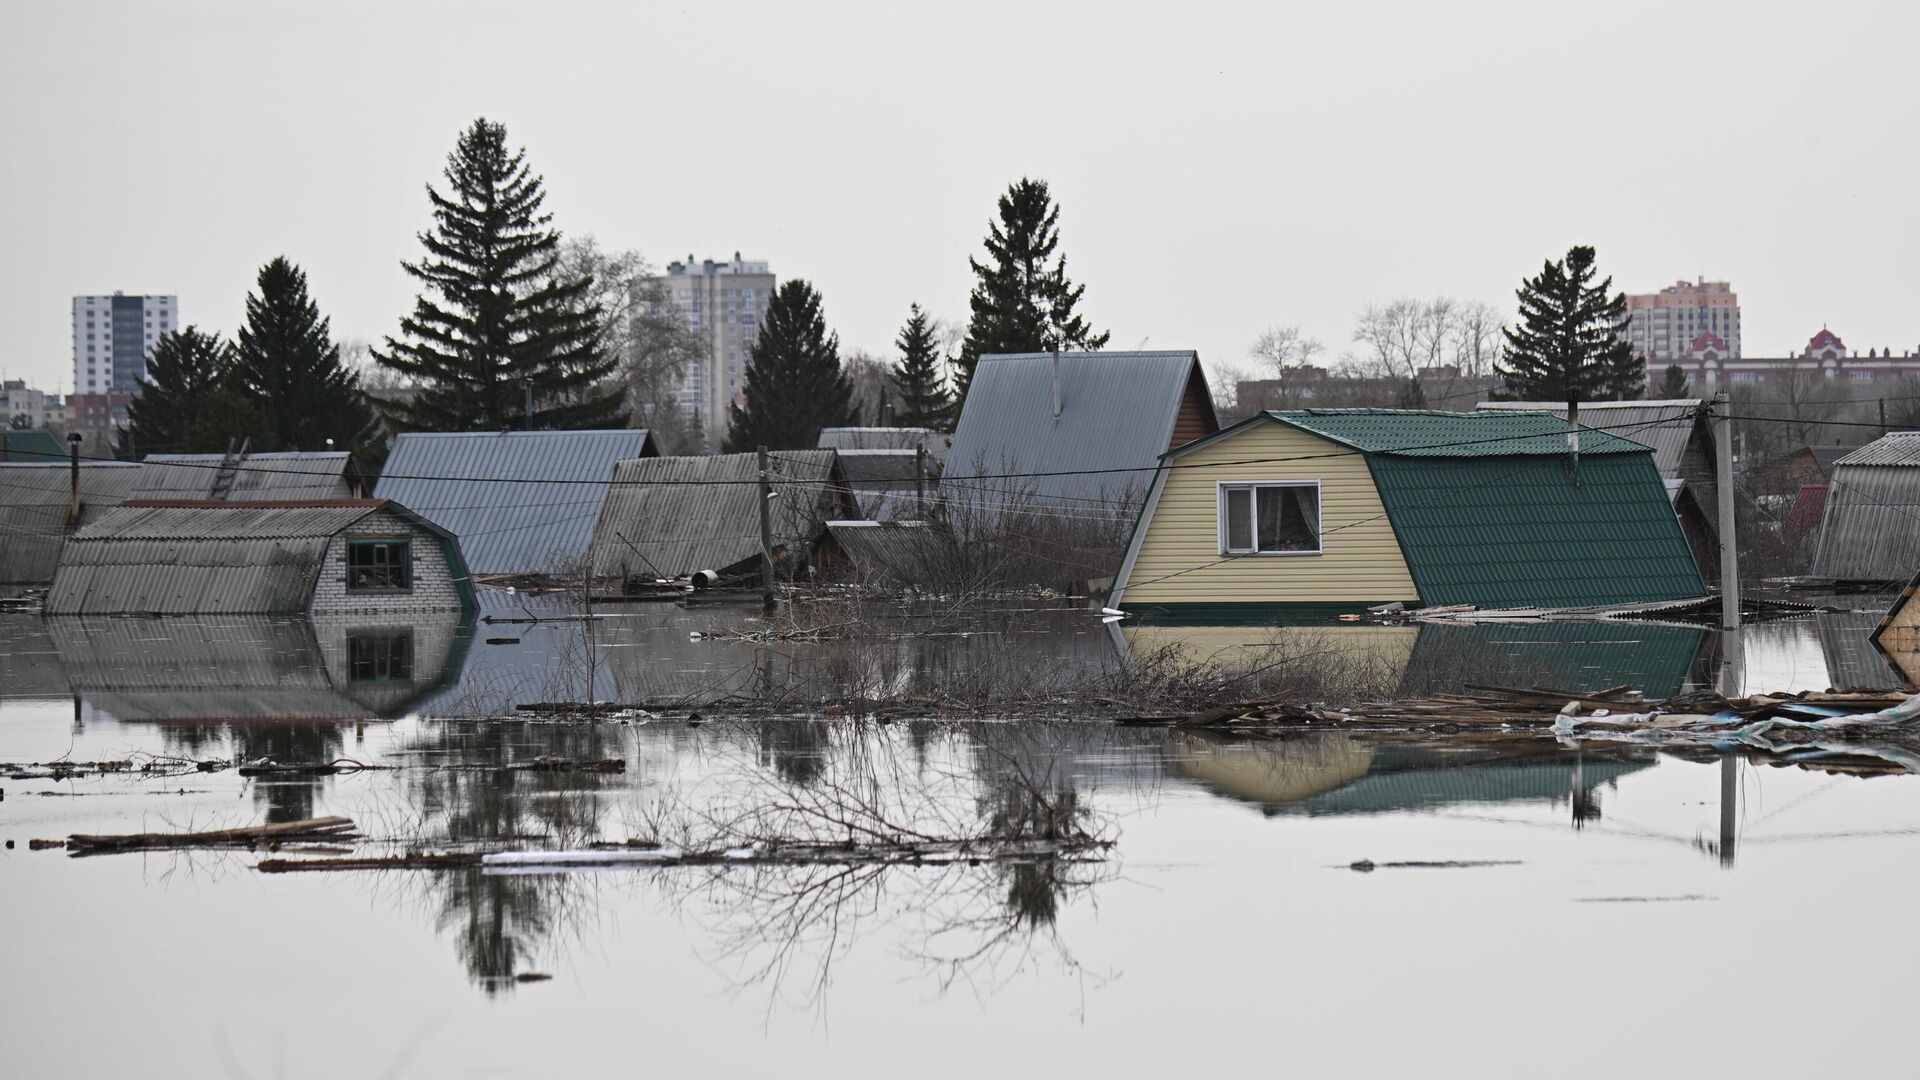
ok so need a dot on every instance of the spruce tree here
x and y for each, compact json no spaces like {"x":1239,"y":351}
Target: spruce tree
{"x":498,"y":310}
{"x":1021,"y":302}
{"x":186,"y":372}
{"x":1673,"y":384}
{"x":924,"y":399}
{"x":794,"y":383}
{"x":286,"y":368}
{"x":1568,"y":345}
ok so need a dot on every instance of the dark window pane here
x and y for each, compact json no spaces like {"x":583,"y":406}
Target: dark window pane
{"x":380,"y":656}
{"x":376,"y":565}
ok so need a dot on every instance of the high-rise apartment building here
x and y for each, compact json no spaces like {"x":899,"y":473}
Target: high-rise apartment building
{"x":723,"y":302}
{"x":112,"y":337}
{"x":1663,"y":326}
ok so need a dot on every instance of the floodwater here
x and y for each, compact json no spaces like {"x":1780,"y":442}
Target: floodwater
{"x":1632,"y":913}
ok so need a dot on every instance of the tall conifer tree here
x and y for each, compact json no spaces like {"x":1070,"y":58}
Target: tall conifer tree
{"x":498,"y":311}
{"x":794,"y":383}
{"x":1673,"y":383}
{"x":924,"y":398}
{"x":186,"y":373}
{"x":1568,"y":345}
{"x":1022,"y":300}
{"x":286,"y":368}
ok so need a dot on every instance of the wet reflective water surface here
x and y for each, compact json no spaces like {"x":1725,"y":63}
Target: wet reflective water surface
{"x":1321,"y":904}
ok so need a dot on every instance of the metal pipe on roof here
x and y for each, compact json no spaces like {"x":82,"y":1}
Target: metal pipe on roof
{"x":1056,"y":382}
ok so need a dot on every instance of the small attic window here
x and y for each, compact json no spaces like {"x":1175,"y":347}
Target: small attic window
{"x":1270,"y":518}
{"x":379,"y":565}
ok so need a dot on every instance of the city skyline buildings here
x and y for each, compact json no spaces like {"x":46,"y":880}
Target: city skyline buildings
{"x":1672,"y":322}
{"x":723,"y":303}
{"x":113,"y":335}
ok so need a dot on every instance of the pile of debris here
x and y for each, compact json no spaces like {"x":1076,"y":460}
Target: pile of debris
{"x":1874,"y":726}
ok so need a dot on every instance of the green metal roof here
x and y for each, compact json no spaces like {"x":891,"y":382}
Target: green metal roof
{"x":1518,"y":531}
{"x":31,"y":447}
{"x":1427,"y":433}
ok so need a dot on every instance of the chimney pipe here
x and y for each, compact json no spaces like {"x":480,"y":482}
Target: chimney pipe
{"x":73,"y":504}
{"x":1056,"y":382}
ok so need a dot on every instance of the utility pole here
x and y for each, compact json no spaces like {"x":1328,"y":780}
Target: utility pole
{"x":766,"y":535}
{"x":920,"y":481}
{"x":1883,"y":418}
{"x":526,"y":387}
{"x":1729,"y":803}
{"x":1723,"y":485}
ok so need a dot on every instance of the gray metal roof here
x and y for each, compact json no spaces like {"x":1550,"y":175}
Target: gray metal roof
{"x":297,"y":474}
{"x":1116,"y":418}
{"x":1871,"y":528}
{"x":202,"y":558}
{"x":1667,"y":425}
{"x":521,"y":502}
{"x":1899,"y":448}
{"x":33,"y":512}
{"x":672,"y":516}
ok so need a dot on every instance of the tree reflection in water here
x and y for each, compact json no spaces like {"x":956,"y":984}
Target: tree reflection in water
{"x":502,"y":922}
{"x":280,"y":799}
{"x":781,"y":926}
{"x":784,"y":927}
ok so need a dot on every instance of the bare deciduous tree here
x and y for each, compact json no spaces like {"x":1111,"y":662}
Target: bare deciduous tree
{"x":1441,"y":341}
{"x":647,"y":331}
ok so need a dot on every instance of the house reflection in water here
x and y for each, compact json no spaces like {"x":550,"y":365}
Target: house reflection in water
{"x":251,"y":687}
{"x":1335,"y":774}
{"x":1417,"y":659}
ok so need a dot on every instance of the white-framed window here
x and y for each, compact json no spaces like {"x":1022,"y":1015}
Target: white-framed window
{"x":1270,"y":517}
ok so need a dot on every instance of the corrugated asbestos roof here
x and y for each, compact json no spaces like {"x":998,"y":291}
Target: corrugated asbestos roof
{"x":1523,"y":532}
{"x":1899,"y":448}
{"x":33,"y":512}
{"x":1427,"y":433}
{"x":671,"y":516}
{"x":201,"y":559}
{"x":521,"y":502}
{"x":897,"y":552}
{"x":1116,"y":419}
{"x":1871,"y":529}
{"x":1665,"y":426}
{"x":303,"y":474}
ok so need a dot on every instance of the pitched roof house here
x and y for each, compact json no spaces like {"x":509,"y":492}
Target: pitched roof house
{"x":1325,"y":510}
{"x":204,"y":557}
{"x":520,"y":502}
{"x":292,"y":474}
{"x":1871,"y":528}
{"x":668,"y":517}
{"x":37,"y":508}
{"x":1076,"y":427}
{"x":1680,"y":432}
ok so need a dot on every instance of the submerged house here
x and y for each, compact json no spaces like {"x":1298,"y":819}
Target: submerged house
{"x":39,"y":509}
{"x":520,"y":502}
{"x":1870,"y":530}
{"x":1335,"y":510}
{"x":1680,"y":433}
{"x":204,"y":557}
{"x":668,"y":517}
{"x":244,"y":477}
{"x":1075,"y":429}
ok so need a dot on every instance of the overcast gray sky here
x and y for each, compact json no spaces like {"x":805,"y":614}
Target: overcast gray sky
{"x":1221,"y":168}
